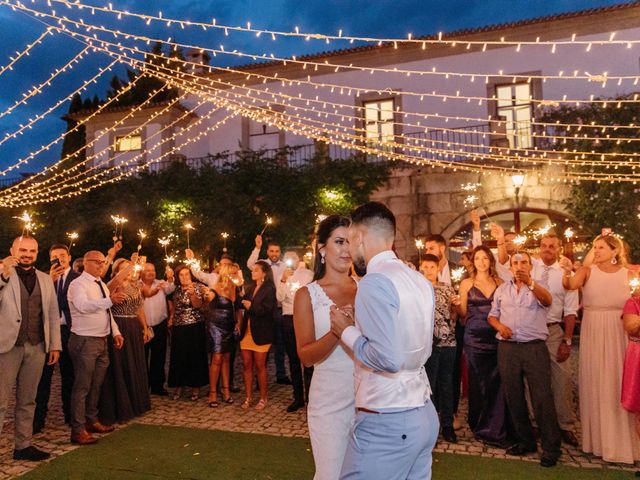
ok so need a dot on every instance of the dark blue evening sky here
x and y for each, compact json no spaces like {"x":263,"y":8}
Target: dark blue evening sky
{"x":375,"y":18}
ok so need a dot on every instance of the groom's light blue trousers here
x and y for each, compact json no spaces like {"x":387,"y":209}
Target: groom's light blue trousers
{"x":392,"y":446}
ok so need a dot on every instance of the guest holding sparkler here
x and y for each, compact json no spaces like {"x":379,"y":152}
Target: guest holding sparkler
{"x":125,"y":392}
{"x":487,"y":405}
{"x":156,"y":310}
{"x":223,"y":321}
{"x":256,"y":335}
{"x":188,"y":359}
{"x":278,"y":267}
{"x":607,"y":429}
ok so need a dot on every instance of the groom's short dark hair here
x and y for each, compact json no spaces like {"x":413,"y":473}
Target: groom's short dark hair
{"x":375,"y":215}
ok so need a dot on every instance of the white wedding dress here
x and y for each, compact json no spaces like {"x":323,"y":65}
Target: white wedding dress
{"x":331,"y":410}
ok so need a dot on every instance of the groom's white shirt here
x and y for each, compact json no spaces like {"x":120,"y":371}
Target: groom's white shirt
{"x":393,"y":336}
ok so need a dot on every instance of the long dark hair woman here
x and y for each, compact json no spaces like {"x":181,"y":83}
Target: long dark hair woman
{"x":331,"y":409}
{"x":488,"y":417}
{"x":256,"y":334}
{"x":188,"y":361}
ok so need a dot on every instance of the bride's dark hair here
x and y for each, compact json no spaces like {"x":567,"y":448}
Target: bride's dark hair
{"x":323,"y":232}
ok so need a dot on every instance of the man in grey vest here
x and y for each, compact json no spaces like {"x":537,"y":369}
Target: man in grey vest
{"x":29,"y":329}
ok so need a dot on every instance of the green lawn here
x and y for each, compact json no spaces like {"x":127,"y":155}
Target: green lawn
{"x":151,"y":452}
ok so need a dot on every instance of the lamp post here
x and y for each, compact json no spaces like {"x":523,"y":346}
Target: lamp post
{"x":517,"y":180}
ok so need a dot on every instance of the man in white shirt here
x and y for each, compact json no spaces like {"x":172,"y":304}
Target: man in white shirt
{"x":156,"y":312}
{"x":396,"y":422}
{"x":436,"y":245}
{"x":90,"y":305}
{"x":62,"y":276}
{"x":295,"y":276}
{"x":278,"y":268}
{"x":563,"y":310}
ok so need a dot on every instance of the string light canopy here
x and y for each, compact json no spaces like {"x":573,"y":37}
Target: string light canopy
{"x":316,"y":117}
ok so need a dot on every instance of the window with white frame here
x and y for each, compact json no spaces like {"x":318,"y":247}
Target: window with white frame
{"x":127,"y":143}
{"x":514,"y":104}
{"x":378,"y":122}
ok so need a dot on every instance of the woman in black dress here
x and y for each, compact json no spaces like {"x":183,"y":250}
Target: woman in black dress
{"x":222,"y":317}
{"x":256,"y":335}
{"x":188,"y":361}
{"x":125,"y":391}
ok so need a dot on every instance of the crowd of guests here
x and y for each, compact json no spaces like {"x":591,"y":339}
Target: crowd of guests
{"x":504,"y":332}
{"x":110,"y":324}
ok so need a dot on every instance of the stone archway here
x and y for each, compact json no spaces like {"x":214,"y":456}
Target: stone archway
{"x":506,"y":204}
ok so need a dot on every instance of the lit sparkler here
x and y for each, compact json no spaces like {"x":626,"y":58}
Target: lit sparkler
{"x":268,"y":222}
{"x":119,"y":222}
{"x":519,"y":241}
{"x":634,"y":284}
{"x":27,"y":223}
{"x":224,"y":235}
{"x":142,"y":235}
{"x":188,"y":227}
{"x":457,"y":274}
{"x":419,"y":246}
{"x":569,"y":234}
{"x":73,"y":236}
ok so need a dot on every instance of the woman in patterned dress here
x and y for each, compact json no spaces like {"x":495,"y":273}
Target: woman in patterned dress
{"x":125,"y":392}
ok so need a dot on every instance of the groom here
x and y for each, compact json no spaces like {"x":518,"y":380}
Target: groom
{"x":396,"y":424}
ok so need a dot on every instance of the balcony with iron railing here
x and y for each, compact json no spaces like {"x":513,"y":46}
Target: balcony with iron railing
{"x":468,"y":143}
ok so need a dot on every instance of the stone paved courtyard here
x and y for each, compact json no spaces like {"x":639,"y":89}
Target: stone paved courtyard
{"x":273,"y":420}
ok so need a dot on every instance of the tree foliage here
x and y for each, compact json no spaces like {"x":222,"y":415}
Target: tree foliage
{"x":603,"y":204}
{"x":233,"y":199}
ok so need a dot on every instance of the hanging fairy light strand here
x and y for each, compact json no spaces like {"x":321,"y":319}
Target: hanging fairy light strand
{"x":439,"y":39}
{"x":25,"y":52}
{"x":67,"y":182}
{"x":36,"y":90}
{"x":29,"y":184}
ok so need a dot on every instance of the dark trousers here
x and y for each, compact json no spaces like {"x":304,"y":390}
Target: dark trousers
{"x":156,"y":351}
{"x":517,"y":361}
{"x":457,"y":366}
{"x":440,"y":372}
{"x":90,"y":357}
{"x":278,"y":346}
{"x":300,"y":382}
{"x":44,"y":387}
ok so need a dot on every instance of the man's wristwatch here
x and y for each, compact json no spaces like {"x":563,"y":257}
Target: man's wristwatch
{"x":532,"y":285}
{"x":566,"y":341}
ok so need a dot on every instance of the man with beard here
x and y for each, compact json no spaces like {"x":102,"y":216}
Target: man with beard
{"x":396,"y":423}
{"x":29,"y":329}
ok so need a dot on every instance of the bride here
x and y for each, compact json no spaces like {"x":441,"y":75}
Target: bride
{"x":331,"y":409}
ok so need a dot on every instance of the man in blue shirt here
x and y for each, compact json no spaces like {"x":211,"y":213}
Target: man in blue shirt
{"x":396,"y":424}
{"x":519,"y":314}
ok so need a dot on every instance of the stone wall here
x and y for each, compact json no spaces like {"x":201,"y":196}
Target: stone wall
{"x":429,"y":200}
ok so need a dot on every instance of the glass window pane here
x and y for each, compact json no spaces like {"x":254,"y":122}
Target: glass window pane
{"x":371,"y":111}
{"x":523,"y":92}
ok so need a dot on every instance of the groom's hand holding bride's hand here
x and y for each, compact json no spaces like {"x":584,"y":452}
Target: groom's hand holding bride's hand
{"x":341,"y":318}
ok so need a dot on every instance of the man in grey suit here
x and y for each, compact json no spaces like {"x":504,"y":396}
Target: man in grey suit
{"x":29,"y":329}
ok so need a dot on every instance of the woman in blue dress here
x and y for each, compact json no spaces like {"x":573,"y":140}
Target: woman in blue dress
{"x":488,"y":416}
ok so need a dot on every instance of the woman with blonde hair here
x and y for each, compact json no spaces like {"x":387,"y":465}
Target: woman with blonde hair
{"x":223,"y":320}
{"x":125,"y":392}
{"x":487,"y":404}
{"x":607,"y":429}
